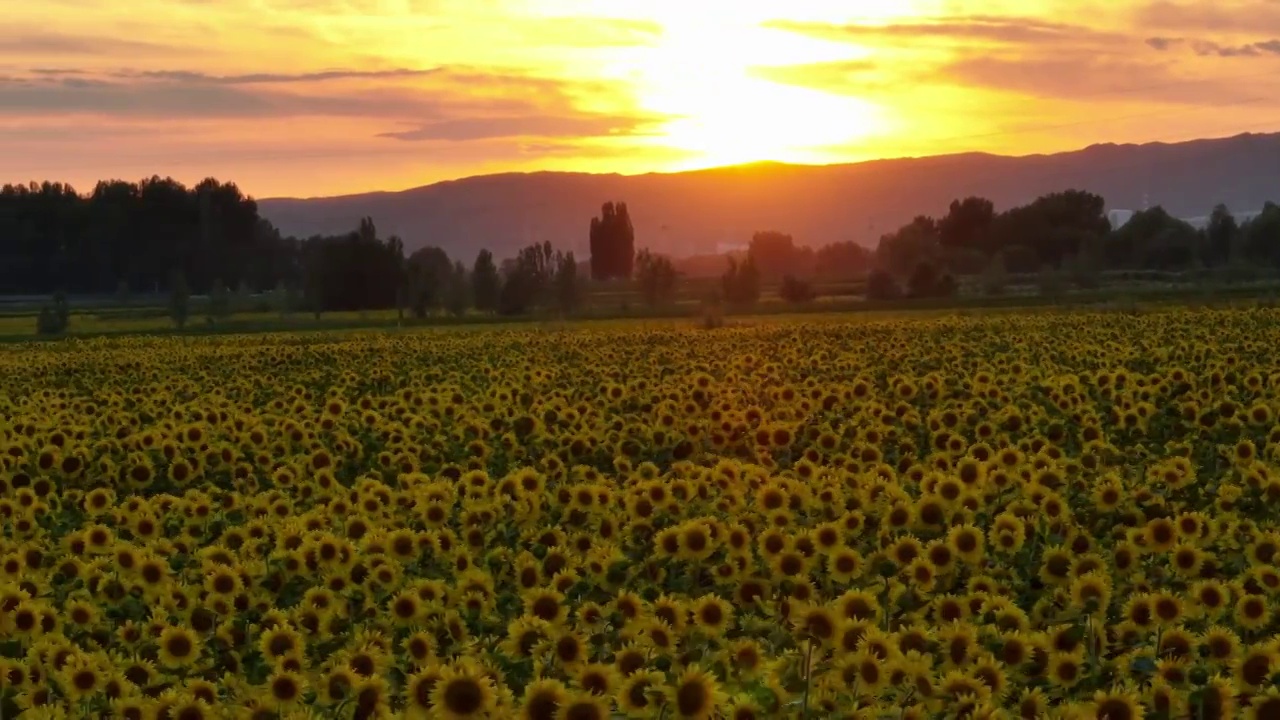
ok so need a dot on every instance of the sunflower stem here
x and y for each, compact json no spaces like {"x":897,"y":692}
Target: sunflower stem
{"x":808,"y":666}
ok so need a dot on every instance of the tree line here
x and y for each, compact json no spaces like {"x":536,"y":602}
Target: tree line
{"x":1067,"y":233}
{"x":135,"y":235}
{"x":159,"y":236}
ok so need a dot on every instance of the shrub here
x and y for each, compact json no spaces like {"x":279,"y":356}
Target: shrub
{"x":796,"y":291}
{"x":882,"y":286}
{"x":55,"y":318}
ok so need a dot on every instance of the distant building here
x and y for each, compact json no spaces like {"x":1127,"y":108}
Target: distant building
{"x":1202,"y":222}
{"x":1120,"y":218}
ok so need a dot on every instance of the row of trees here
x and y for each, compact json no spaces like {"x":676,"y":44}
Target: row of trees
{"x":157,"y":235}
{"x":135,"y":235}
{"x":1070,"y":231}
{"x":360,"y":271}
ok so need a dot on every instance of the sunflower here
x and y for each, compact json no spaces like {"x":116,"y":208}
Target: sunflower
{"x":844,"y":565}
{"x":524,"y":635}
{"x":569,"y":649}
{"x":420,"y":647}
{"x":286,"y":687}
{"x":1033,"y":703}
{"x":546,"y":604}
{"x":179,"y":647}
{"x":744,"y":709}
{"x":695,"y":542}
{"x":336,"y":686}
{"x":1160,"y":535}
{"x":712,"y":615}
{"x":1220,"y":644}
{"x":671,"y":611}
{"x":366,"y":661}
{"x":598,"y":678}
{"x":1264,"y":706}
{"x":543,"y":699}
{"x":130,"y":708}
{"x":372,"y":698}
{"x":961,"y":687}
{"x":583,"y":707}
{"x":1091,"y":593}
{"x":870,"y":673}
{"x":816,"y":622}
{"x":695,"y":694}
{"x":967,"y":542}
{"x":1217,"y":698}
{"x":420,"y":689}
{"x":1167,"y":608}
{"x":1066,"y":668}
{"x":1252,"y":612}
{"x":992,"y":674}
{"x":958,"y":643}
{"x":790,"y":564}
{"x":1165,"y":700}
{"x":1188,"y":560}
{"x":191,"y":709}
{"x":81,"y":613}
{"x":461,"y":692}
{"x":280,"y":642}
{"x":1211,"y":597}
{"x":1253,"y":669}
{"x":81,"y":679}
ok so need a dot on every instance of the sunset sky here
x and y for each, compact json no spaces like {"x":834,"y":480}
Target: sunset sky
{"x":320,"y":97}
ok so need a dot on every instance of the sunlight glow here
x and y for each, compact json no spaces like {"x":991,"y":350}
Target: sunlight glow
{"x":701,"y":75}
{"x":311,"y":96}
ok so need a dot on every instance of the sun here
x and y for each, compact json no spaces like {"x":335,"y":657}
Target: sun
{"x":722,"y":112}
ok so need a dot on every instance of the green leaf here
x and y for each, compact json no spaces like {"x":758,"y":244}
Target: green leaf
{"x":1144,"y":665}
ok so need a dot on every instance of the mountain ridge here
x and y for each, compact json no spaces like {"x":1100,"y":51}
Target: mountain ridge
{"x":697,"y":211}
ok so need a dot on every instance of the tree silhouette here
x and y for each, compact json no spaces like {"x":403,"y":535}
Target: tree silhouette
{"x":966,"y":224}
{"x":656,"y":276}
{"x":882,"y":286}
{"x":568,"y":288}
{"x":796,"y":291}
{"x":1221,"y":235}
{"x":741,"y":283}
{"x":429,"y":272}
{"x":486,"y":284}
{"x":613,"y":243}
{"x":776,"y":255}
{"x":526,"y":279}
{"x":457,"y":290}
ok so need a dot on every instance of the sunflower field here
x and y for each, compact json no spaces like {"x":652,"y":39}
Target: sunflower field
{"x":1036,"y":515}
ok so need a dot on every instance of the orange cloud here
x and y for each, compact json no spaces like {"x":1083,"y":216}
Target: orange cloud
{"x":306,"y":96}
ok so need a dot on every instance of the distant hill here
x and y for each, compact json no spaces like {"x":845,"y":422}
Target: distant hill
{"x":694,"y":213}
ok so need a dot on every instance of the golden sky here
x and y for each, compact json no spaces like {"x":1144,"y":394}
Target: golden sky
{"x":318,"y":97}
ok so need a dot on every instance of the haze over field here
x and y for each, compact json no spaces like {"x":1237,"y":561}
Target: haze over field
{"x":321,"y":97}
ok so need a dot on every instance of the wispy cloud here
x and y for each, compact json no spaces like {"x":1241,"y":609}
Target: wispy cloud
{"x":969,"y":28}
{"x":189,"y":76}
{"x":192,"y":93}
{"x":527,"y":126}
{"x":17,"y":41}
{"x":1212,"y":16}
{"x":1209,"y":48}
